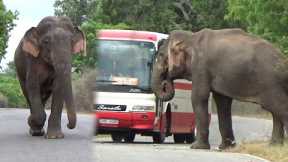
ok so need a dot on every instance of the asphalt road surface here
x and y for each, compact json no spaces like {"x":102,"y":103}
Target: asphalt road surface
{"x":16,"y":145}
{"x":245,"y":129}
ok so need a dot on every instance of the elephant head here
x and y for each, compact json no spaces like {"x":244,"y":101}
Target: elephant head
{"x":161,"y":83}
{"x":173,"y":61}
{"x":53,"y":42}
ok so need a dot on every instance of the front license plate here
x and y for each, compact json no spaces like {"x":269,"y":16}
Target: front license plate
{"x":108,"y":121}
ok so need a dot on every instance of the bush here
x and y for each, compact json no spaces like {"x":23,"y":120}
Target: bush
{"x":83,"y":90}
{"x":11,"y":89}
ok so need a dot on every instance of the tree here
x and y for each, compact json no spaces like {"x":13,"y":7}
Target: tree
{"x":166,"y":15}
{"x":151,"y":15}
{"x":11,"y":69}
{"x":6,"y":25}
{"x":77,"y":10}
{"x":211,"y":14}
{"x":133,"y":13}
{"x":268,"y":19}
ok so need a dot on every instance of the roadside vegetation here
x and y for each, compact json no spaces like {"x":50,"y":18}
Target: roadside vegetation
{"x":264,"y":150}
{"x":10,"y":92}
{"x":82,"y":89}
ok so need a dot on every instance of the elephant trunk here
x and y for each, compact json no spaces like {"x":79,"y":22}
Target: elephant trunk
{"x":65,"y":74}
{"x":162,"y":86}
{"x":69,"y":102}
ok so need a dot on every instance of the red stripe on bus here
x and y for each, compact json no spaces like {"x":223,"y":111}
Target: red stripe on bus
{"x":183,"y":86}
{"x":127,"y":34}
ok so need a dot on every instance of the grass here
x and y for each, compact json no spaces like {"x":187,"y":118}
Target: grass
{"x":263,"y":115}
{"x":264,"y":150}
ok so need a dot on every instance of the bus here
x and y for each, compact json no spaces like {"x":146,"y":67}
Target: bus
{"x":124,"y":103}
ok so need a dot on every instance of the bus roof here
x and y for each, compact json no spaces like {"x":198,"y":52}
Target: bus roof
{"x":130,"y":35}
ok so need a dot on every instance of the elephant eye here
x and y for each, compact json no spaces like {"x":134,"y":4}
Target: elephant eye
{"x":46,"y":41}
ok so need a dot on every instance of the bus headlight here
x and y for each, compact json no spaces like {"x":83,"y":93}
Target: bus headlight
{"x":142,"y":108}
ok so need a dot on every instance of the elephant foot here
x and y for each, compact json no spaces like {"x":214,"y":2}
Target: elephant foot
{"x":36,"y":132}
{"x":227,"y":144}
{"x":36,"y":123}
{"x":200,"y":145}
{"x":54,"y":135}
{"x":275,"y":142}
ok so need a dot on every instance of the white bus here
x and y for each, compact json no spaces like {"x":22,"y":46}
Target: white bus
{"x":124,"y":102}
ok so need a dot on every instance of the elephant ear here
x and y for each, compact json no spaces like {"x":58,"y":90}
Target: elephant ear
{"x":30,"y":42}
{"x":79,"y":42}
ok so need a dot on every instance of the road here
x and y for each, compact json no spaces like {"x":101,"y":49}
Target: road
{"x":17,"y":145}
{"x":246,"y":129}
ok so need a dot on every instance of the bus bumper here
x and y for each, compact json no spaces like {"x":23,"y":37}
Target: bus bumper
{"x":107,"y":122}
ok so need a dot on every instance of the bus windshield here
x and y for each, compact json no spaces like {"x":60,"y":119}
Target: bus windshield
{"x":125,"y":63}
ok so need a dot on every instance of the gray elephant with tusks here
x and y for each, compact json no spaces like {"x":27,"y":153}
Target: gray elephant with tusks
{"x":232,"y":65}
{"x":43,"y":65}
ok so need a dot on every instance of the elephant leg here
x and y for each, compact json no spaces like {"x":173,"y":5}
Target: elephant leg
{"x":45,"y":96}
{"x":200,"y":97}
{"x":278,"y":131}
{"x":278,"y":109}
{"x":54,"y":121}
{"x":223,"y":104}
{"x":37,"y":118}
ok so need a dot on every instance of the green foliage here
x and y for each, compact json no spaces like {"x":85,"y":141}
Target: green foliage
{"x":166,"y":15}
{"x":139,"y":14}
{"x":11,"y":69}
{"x":211,"y":14}
{"x":3,"y":101}
{"x":6,"y":25}
{"x":160,"y":16}
{"x":77,"y":10}
{"x":10,"y":88}
{"x":268,"y":19}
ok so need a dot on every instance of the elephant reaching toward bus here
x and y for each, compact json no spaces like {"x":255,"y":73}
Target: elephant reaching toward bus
{"x":232,"y":65}
{"x":43,"y":65}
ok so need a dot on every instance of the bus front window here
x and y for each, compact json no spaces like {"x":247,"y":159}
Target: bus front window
{"x":125,"y":63}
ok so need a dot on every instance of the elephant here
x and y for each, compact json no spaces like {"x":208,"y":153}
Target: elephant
{"x":230,"y":64}
{"x":43,"y":61}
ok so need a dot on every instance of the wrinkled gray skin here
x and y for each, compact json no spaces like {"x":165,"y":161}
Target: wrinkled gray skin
{"x":43,"y":65}
{"x":232,"y":65}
